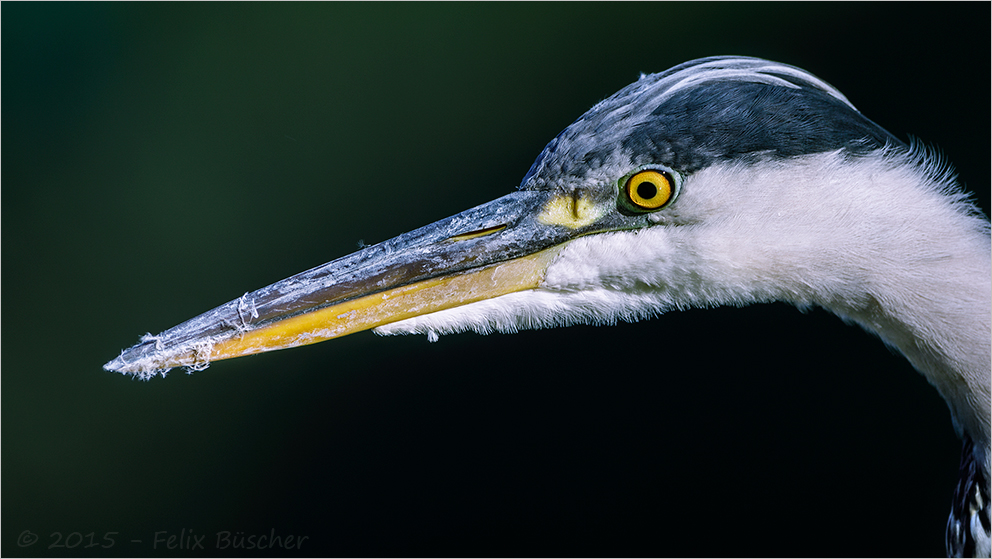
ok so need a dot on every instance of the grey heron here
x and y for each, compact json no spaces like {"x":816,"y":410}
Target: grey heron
{"x":721,"y":181}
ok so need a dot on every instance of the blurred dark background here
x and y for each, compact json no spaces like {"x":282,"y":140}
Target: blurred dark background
{"x":161,"y":159}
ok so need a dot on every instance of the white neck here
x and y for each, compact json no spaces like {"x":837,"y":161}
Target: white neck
{"x":885,"y":241}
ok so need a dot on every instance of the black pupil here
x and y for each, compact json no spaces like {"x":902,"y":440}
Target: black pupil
{"x":647,"y":190}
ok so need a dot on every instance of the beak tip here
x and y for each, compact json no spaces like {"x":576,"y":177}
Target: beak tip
{"x":144,"y":369}
{"x":119,"y":365}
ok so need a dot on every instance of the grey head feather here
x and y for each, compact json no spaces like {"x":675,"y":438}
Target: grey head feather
{"x":705,"y":111}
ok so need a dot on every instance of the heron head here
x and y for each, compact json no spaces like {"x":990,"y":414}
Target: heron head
{"x":605,"y":225}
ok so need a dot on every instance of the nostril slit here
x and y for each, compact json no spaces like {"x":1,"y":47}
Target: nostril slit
{"x":477,"y":233}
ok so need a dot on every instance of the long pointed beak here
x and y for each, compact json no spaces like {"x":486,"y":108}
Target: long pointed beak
{"x":491,"y":250}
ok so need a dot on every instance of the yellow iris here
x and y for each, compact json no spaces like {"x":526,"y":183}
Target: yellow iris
{"x":649,"y":190}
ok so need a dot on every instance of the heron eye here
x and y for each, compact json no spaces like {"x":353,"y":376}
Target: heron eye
{"x":649,"y":190}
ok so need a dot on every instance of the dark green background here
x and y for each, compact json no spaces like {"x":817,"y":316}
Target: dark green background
{"x":161,"y":159}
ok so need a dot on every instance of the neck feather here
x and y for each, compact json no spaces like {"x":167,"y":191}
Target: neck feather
{"x":887,"y":241}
